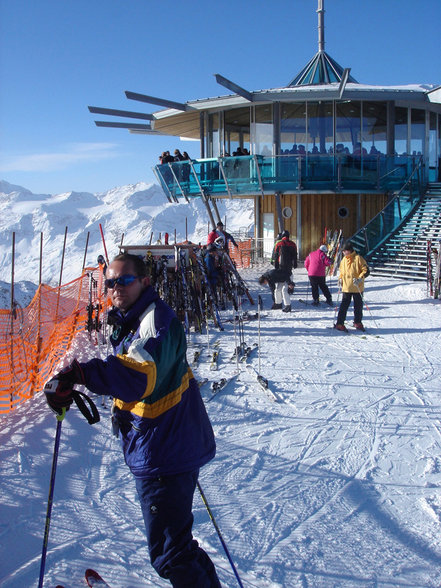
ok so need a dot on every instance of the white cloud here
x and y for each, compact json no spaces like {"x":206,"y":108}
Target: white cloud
{"x":67,"y":156}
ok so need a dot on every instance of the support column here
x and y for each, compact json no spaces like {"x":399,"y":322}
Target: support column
{"x":216,"y":211}
{"x":279,"y":211}
{"x":299,"y":227}
{"x":210,"y":214}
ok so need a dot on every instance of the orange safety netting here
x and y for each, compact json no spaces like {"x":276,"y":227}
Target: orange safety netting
{"x":241,"y":255}
{"x":34,"y":339}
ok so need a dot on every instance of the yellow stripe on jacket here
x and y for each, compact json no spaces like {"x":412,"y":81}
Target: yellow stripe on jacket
{"x":155,"y":409}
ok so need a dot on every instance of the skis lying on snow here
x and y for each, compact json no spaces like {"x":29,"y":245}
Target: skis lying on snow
{"x":243,"y":352}
{"x":219,"y":385}
{"x":362,"y":333}
{"x":246,"y":316}
{"x":263,"y":383}
{"x":92,"y":579}
{"x":320,"y":305}
{"x":196,"y":357}
{"x":214,"y":360}
{"x":247,"y":352}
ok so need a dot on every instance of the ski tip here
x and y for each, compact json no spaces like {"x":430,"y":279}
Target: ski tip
{"x":94,"y":579}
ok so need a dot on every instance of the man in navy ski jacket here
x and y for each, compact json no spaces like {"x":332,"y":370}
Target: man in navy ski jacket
{"x":158,"y":414}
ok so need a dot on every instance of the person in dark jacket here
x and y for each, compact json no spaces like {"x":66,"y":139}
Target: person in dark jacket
{"x":158,"y":414}
{"x":272,"y":278}
{"x":212,"y":265}
{"x":285,"y":258}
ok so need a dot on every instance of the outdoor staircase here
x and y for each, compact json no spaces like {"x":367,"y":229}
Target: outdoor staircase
{"x":404,"y":254}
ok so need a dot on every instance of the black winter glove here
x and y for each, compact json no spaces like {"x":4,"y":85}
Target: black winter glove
{"x":59,"y":388}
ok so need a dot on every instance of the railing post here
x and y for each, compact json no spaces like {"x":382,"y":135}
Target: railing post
{"x":221,"y":167}
{"x":339,"y":185}
{"x":164,"y":185}
{"x":299,"y":173}
{"x":366,"y":240}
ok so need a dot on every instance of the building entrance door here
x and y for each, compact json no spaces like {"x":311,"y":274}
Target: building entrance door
{"x":268,"y":234}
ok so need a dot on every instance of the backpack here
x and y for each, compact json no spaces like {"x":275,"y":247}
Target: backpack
{"x":368,"y":272}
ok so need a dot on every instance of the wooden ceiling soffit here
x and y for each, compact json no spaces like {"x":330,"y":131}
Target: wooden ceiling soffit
{"x":180,"y":125}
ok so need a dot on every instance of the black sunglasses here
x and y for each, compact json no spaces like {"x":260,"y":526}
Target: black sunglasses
{"x":124,"y":280}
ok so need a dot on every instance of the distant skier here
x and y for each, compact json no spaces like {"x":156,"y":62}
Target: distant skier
{"x":352,"y":270}
{"x":316,"y":263}
{"x":102,"y":263}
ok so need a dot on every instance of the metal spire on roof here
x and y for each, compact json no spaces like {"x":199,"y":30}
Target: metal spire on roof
{"x":322,"y":69}
{"x":321,"y":26}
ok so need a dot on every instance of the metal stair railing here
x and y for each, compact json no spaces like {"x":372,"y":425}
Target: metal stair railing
{"x":404,"y":254}
{"x":386,"y":222}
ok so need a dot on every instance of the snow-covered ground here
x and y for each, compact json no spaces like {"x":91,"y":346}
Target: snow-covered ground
{"x":338,"y":483}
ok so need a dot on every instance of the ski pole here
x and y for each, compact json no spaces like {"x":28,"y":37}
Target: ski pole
{"x":51,"y":495}
{"x":338,"y":298}
{"x":92,"y":416}
{"x":213,"y":520}
{"x":364,"y":302}
{"x":259,"y":306}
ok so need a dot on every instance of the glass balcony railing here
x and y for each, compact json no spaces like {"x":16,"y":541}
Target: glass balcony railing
{"x":258,"y":174}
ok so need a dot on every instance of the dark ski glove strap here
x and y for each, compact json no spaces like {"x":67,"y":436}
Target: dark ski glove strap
{"x":92,"y":416}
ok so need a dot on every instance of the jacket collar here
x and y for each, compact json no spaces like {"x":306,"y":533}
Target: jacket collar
{"x":129,"y":319}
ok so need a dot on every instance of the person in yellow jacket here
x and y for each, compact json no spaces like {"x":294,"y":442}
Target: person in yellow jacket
{"x":351,"y":278}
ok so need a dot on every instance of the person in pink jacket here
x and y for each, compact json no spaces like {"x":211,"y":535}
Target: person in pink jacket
{"x":316,"y":264}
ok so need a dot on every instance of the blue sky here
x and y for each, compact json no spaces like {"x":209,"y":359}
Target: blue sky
{"x":58,"y":57}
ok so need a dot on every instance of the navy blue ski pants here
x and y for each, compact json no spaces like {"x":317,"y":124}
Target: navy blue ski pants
{"x":166,"y":504}
{"x":345,"y":302}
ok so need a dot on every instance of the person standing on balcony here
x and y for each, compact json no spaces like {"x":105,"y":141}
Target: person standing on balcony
{"x":185,"y":167}
{"x":221,"y":238}
{"x":285,"y":258}
{"x":158,"y":415}
{"x":316,"y":264}
{"x":352,"y":270}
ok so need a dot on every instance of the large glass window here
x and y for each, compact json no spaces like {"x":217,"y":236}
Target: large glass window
{"x":400,"y":130}
{"x":236,"y":130}
{"x":320,"y":127}
{"x":292,"y":127}
{"x":374,"y":127}
{"x":213,"y":147}
{"x":418,"y":125}
{"x":348,"y":127}
{"x":262,"y":130}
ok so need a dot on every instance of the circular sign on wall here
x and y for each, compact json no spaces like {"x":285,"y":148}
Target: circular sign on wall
{"x":287,"y":212}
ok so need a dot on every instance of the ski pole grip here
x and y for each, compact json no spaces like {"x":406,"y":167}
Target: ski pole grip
{"x":92,"y":415}
{"x":60,"y":417}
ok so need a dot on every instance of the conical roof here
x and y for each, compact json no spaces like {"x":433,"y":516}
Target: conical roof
{"x":322,"y":69}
